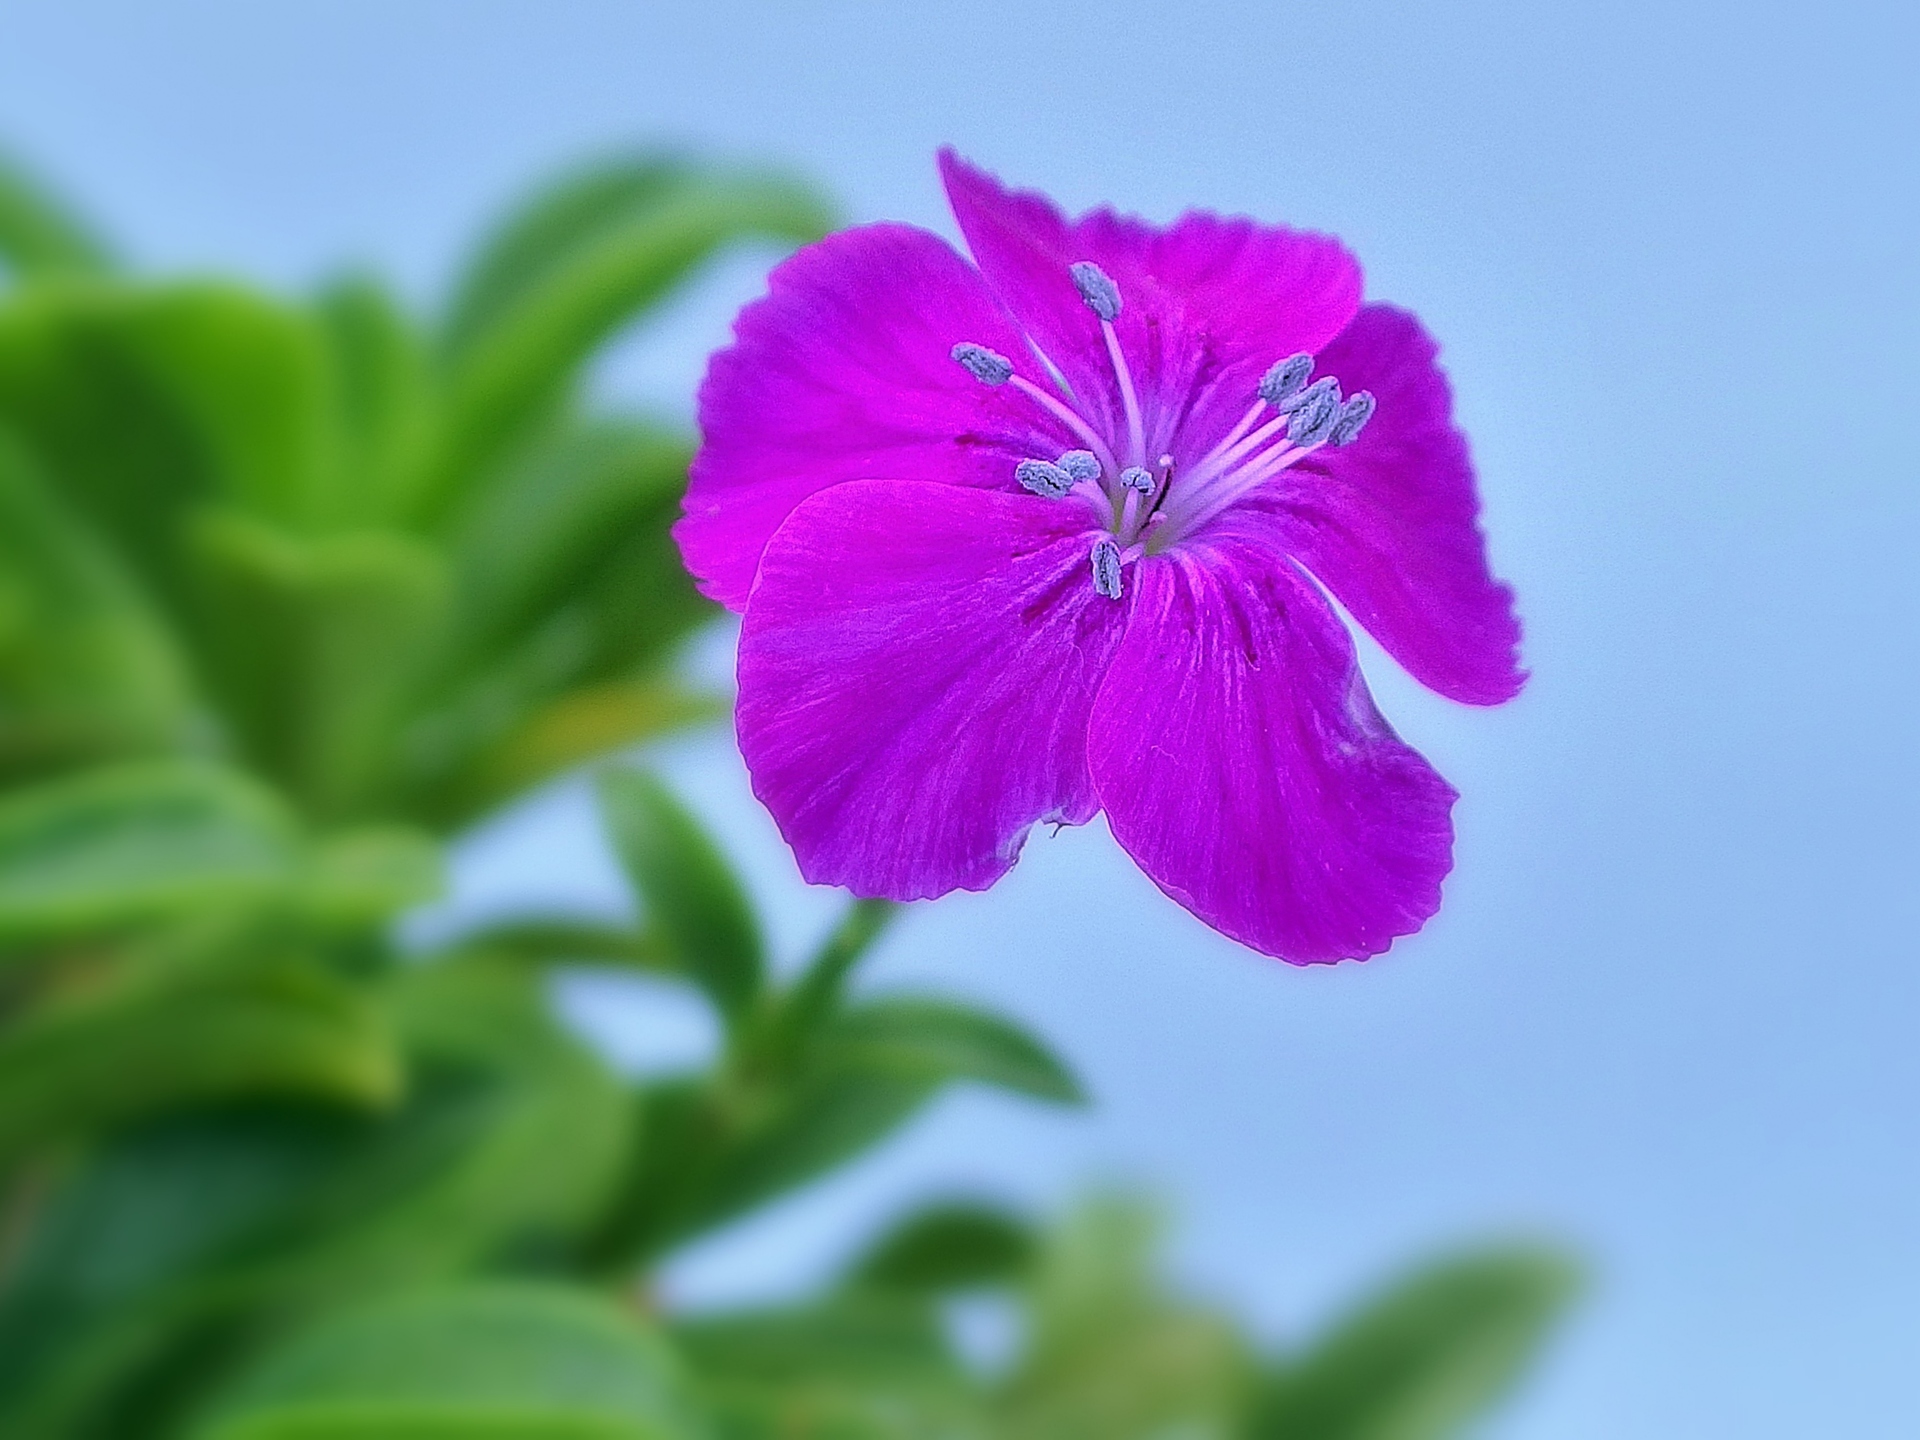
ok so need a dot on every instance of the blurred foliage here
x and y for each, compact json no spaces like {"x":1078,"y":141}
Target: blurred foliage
{"x":291,"y":592}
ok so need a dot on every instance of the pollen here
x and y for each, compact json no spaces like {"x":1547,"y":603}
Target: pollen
{"x":1353,"y":418}
{"x":1106,"y":568}
{"x":1044,"y":478}
{"x":1080,"y":464}
{"x":1285,"y":380}
{"x":1096,"y":287}
{"x":987,"y":366}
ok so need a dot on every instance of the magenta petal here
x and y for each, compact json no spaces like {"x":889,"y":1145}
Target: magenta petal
{"x":845,"y":371}
{"x":1209,"y":303}
{"x":916,"y":669}
{"x":1243,"y":765}
{"x":1390,"y":523}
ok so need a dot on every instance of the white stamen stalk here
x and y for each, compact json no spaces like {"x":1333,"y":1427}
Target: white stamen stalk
{"x":1095,"y":494}
{"x":1067,"y":417}
{"x":1254,"y":412}
{"x":1194,"y":508}
{"x":1233,"y":454}
{"x":1129,"y":399}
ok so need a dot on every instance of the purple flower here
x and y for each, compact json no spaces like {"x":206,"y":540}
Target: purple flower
{"x":1052,"y":533}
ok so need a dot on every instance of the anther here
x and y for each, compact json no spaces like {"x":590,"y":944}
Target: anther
{"x":1135,"y":477}
{"x":1325,"y":388}
{"x":1285,"y":380}
{"x":1096,"y":287}
{"x":1106,"y":568}
{"x":1043,"y":477}
{"x":989,"y":366}
{"x":1312,"y":422}
{"x":1080,"y":465}
{"x":1353,"y":418}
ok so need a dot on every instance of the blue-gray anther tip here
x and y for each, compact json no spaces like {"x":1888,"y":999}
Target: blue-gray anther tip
{"x":1353,"y":418}
{"x":1325,"y":388}
{"x":1096,"y":287}
{"x":1135,"y":478}
{"x":1285,"y":380}
{"x":1313,"y":422}
{"x":1106,"y":568}
{"x":1043,"y":477}
{"x":984,"y":364}
{"x":1080,"y":464}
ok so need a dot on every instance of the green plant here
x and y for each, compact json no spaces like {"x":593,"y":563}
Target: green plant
{"x":291,"y":593}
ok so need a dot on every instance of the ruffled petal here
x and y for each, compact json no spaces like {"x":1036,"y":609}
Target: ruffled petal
{"x":916,"y":670}
{"x":1207,"y":304}
{"x":1390,"y":523}
{"x":1243,"y":765}
{"x":844,"y":371}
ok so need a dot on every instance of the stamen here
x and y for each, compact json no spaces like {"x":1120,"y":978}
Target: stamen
{"x":1106,"y":568}
{"x":1325,"y":388}
{"x":1081,"y":464}
{"x":1232,"y":437}
{"x":1313,"y":422}
{"x":1286,"y":379}
{"x":1353,"y":418}
{"x":1129,"y":399}
{"x":1096,"y":287}
{"x":1197,"y":506}
{"x":1139,"y":478}
{"x":1066,"y":416}
{"x":988,"y":366}
{"x":1043,"y":478}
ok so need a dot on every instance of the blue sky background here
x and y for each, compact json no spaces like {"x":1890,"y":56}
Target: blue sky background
{"x":1670,"y":1008}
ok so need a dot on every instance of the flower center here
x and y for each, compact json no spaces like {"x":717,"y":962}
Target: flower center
{"x":1144,"y":508}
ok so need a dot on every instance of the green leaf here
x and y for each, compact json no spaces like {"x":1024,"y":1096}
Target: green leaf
{"x":129,"y":1254}
{"x":143,"y":404}
{"x":383,"y":402}
{"x":812,"y":1126}
{"x":371,"y":873}
{"x":38,"y":234}
{"x":712,"y":1154}
{"x":544,"y":532}
{"x":541,"y":940}
{"x":579,"y":726}
{"x":569,"y":596}
{"x":138,"y":843}
{"x":1427,"y":1356}
{"x":549,"y":228}
{"x":175,"y":1234}
{"x":116,"y":448}
{"x":692,"y":899}
{"x":954,"y":1245}
{"x":501,"y":1361}
{"x":148,"y":1044}
{"x":311,"y":644}
{"x":716,"y":1151}
{"x":87,"y":668}
{"x":816,"y":996}
{"x":250,"y":376}
{"x":1109,"y":1353}
{"x":559,"y":1126}
{"x":948,"y":1041}
{"x":856,"y":1367}
{"x":510,"y":375}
